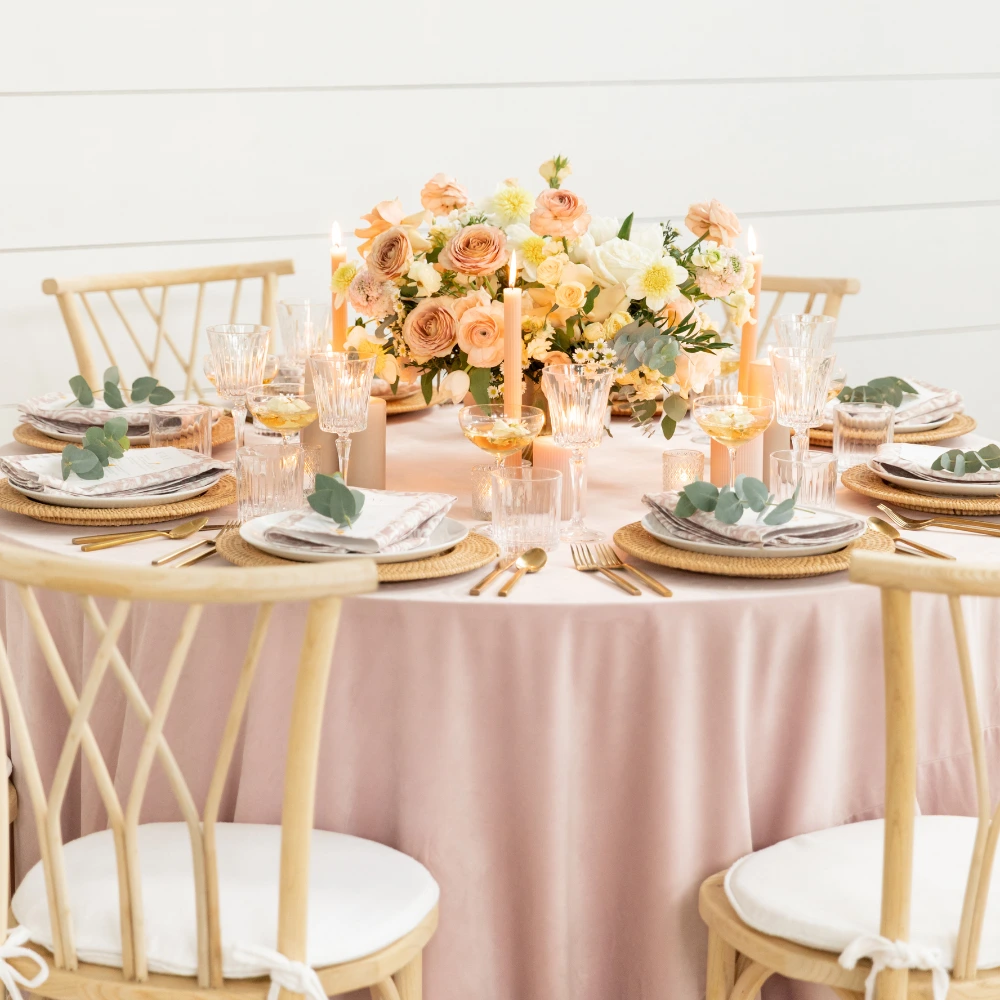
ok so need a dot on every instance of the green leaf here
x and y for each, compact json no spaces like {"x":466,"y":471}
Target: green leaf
{"x":784,"y":511}
{"x":427,"y":386}
{"x":83,"y":393}
{"x":591,"y":298}
{"x":644,"y":409}
{"x":703,"y":495}
{"x":675,"y":406}
{"x":113,"y":396}
{"x":160,"y":395}
{"x":142,"y":387}
{"x":959,"y":464}
{"x":755,"y":493}
{"x":730,"y":508}
{"x":116,"y":427}
{"x":668,"y":425}
{"x":82,"y":461}
{"x":332,"y":498}
{"x":684,"y":506}
{"x":479,"y":385}
{"x":111,"y":375}
{"x":626,"y":228}
{"x":409,"y":291}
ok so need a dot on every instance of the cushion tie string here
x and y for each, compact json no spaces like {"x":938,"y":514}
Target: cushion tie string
{"x":296,"y":977}
{"x":886,"y":954}
{"x":13,"y":947}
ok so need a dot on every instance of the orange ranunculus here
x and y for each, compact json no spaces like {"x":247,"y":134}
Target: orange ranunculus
{"x":559,"y":213}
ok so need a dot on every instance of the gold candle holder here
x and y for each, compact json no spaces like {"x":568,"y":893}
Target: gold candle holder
{"x":681,"y":467}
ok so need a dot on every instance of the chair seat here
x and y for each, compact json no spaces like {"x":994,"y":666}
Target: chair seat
{"x":823,"y":890}
{"x":363,"y":896}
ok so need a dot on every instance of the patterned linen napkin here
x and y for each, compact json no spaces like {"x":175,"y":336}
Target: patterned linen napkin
{"x":388,"y":523}
{"x":807,"y":527}
{"x":142,"y":472}
{"x":929,"y":405}
{"x":915,"y":460}
{"x":59,"y":413}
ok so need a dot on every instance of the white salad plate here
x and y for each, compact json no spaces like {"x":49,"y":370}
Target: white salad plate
{"x":110,"y":503}
{"x":654,"y":527}
{"x":445,"y":536}
{"x":943,"y":489}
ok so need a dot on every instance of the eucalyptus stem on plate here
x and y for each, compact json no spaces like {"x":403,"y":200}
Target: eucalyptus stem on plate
{"x":100,"y":445}
{"x":333,"y":498}
{"x":144,"y":388}
{"x":729,"y":503}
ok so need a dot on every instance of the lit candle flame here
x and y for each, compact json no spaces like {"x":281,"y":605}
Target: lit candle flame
{"x":751,"y":240}
{"x":512,"y":270}
{"x":739,"y":399}
{"x":335,"y":235}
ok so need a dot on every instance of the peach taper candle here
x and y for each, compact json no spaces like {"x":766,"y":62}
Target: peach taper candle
{"x":512,"y":343}
{"x":338,"y":256}
{"x":748,"y":342}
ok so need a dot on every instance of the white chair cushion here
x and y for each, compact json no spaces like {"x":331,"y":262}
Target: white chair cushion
{"x":362,"y":897}
{"x":824,"y":889}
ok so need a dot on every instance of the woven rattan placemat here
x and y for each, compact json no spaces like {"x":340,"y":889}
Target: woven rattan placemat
{"x":959,"y":424}
{"x":861,"y":479}
{"x":473,"y":552}
{"x":637,"y":541}
{"x":32,"y":437}
{"x":411,"y":404}
{"x":219,"y":495}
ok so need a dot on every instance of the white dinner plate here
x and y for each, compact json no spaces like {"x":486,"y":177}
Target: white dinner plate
{"x":77,"y":438}
{"x":654,"y":527}
{"x":110,"y":503}
{"x":913,"y":428}
{"x":445,"y":536}
{"x":938,"y":489}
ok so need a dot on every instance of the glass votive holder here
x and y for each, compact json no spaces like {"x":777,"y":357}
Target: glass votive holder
{"x":525,"y":503}
{"x":482,"y":503}
{"x":859,"y":429}
{"x":815,"y":475}
{"x":268,"y":479}
{"x":311,"y":455}
{"x":185,"y":425}
{"x":681,"y":467}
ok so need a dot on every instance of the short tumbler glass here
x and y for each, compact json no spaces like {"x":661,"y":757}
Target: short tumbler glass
{"x":859,"y":429}
{"x":188,"y":425}
{"x":815,"y":473}
{"x":268,"y":479}
{"x":526,"y":503}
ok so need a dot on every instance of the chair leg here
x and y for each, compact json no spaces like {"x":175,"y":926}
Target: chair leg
{"x":384,"y":990}
{"x":410,"y":979}
{"x":721,"y":968}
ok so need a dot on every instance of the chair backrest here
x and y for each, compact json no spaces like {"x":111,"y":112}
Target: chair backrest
{"x":165,"y":343}
{"x":321,"y":585}
{"x":899,"y":577}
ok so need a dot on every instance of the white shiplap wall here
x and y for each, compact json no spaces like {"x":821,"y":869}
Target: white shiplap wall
{"x":860,"y":140}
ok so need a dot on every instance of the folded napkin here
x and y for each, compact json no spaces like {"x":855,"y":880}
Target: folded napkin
{"x":388,"y":522}
{"x":137,"y":473}
{"x":59,"y":413}
{"x":915,"y":460}
{"x":929,"y":405}
{"x":807,"y":527}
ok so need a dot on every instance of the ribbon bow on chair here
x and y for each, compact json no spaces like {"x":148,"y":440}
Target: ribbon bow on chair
{"x":296,"y":977}
{"x":886,"y":954}
{"x":13,"y":947}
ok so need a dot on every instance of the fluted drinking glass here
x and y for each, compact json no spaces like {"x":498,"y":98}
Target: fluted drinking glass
{"x":343,"y":386}
{"x":239,"y":354}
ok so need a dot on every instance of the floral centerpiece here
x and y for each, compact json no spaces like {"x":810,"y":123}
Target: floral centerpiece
{"x":429,"y":291}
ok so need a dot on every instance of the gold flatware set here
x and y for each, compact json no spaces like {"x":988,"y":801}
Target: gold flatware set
{"x":897,"y":521}
{"x":95,"y":543}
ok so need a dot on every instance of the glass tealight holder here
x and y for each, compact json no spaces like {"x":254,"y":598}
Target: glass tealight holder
{"x":814,"y":473}
{"x":859,"y":429}
{"x":268,"y":479}
{"x":311,"y":456}
{"x":482,"y":503}
{"x":184,"y":425}
{"x":681,"y":467}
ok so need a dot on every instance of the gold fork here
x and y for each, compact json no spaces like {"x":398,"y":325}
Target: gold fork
{"x":610,"y":559}
{"x":584,"y":561}
{"x":940,"y":521}
{"x":209,"y":542}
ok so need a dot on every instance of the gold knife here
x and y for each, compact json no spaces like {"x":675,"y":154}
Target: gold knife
{"x":191,"y":560}
{"x":501,"y":567}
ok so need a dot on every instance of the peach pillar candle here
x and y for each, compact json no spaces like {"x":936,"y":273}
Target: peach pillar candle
{"x":749,"y":461}
{"x":546,"y":454}
{"x":512,"y":343}
{"x":776,"y":437}
{"x":338,"y":314}
{"x":748,"y":342}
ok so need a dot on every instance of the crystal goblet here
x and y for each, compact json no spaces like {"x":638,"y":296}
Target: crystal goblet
{"x":811,"y":332}
{"x":801,"y":381}
{"x":239,"y":356}
{"x":343,"y":385}
{"x":305,"y":328}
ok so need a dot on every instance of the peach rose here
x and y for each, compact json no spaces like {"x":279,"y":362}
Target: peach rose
{"x":695,"y":371}
{"x":714,"y":220}
{"x":480,"y":334}
{"x":571,"y":295}
{"x":478,"y":249}
{"x":479,"y":297}
{"x":442,"y":193}
{"x":556,"y":358}
{"x":391,"y":254}
{"x":677,"y":311}
{"x":559,"y":213}
{"x":431,"y":329}
{"x":385,"y":215}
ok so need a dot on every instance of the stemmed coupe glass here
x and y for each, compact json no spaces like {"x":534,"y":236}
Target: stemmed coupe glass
{"x":487,"y":427}
{"x":283,"y":406}
{"x":239,"y":355}
{"x":342,"y":383}
{"x":578,"y":401}
{"x":732,"y":420}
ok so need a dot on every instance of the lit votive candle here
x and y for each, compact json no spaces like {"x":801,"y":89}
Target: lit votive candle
{"x":681,"y":467}
{"x":482,"y":498}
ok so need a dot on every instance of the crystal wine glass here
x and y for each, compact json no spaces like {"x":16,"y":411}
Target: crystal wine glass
{"x":305,"y":328}
{"x":487,"y":428}
{"x":732,"y":420}
{"x":343,"y":385}
{"x":239,"y":356}
{"x":271,"y":365}
{"x":283,"y":406}
{"x":812,"y":332}
{"x":578,"y":400}
{"x":801,"y":381}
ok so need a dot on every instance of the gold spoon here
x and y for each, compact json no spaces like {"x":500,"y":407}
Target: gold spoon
{"x":111,"y":536}
{"x":530,"y":562}
{"x":887,"y":529}
{"x":181,"y":531}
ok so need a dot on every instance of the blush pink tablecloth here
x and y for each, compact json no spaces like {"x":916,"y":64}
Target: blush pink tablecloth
{"x":569,"y":763}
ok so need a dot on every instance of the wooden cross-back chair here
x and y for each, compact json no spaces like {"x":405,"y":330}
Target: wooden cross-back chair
{"x":909,"y":894}
{"x":70,"y":293}
{"x":158,"y":911}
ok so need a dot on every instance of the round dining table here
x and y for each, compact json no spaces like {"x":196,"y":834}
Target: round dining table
{"x":569,"y":762}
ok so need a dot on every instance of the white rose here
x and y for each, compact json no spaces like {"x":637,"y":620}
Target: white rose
{"x":426,"y":276}
{"x":594,"y":332}
{"x":648,"y":235}
{"x":603,"y":228}
{"x":616,"y":261}
{"x":456,"y":385}
{"x":608,"y":301}
{"x":538,"y":347}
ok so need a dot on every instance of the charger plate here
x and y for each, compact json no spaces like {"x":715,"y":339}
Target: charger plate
{"x":221,"y":494}
{"x":637,"y":541}
{"x":26,"y":434}
{"x":959,"y":424}
{"x":410,"y":404}
{"x":861,"y":479}
{"x":473,"y":552}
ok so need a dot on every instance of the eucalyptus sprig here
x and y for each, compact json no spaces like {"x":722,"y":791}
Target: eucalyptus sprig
{"x":729,"y":504}
{"x":144,"y":388}
{"x":333,"y":498}
{"x":100,"y":445}
{"x":889,"y":389}
{"x":961,"y":462}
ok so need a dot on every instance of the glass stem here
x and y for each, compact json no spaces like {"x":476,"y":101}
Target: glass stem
{"x":732,"y":466}
{"x":343,"y":453}
{"x":578,"y":484}
{"x":800,"y":443}
{"x":239,"y":409}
